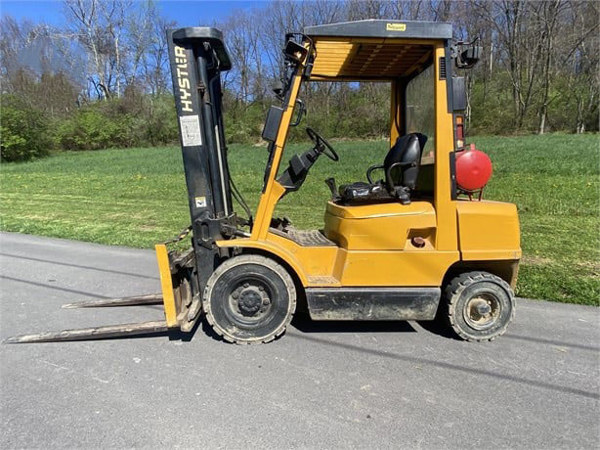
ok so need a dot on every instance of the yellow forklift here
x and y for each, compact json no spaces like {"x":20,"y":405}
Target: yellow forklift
{"x":413,"y":240}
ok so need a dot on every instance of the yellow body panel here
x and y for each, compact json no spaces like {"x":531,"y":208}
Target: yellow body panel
{"x":385,"y":226}
{"x":334,"y":266}
{"x":396,"y":268}
{"x":488,"y":230}
{"x":313,"y":265}
{"x":162,"y":257}
{"x":317,"y":262}
{"x":374,"y":248}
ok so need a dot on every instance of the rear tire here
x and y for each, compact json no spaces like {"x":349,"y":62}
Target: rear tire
{"x":249,"y":299}
{"x":479,"y":306}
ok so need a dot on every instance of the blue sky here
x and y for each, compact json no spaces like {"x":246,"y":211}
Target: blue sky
{"x":186,"y":13}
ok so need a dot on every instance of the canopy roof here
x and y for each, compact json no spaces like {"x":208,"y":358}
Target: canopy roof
{"x":374,"y":49}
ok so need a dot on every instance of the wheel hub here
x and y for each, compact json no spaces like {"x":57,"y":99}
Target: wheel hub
{"x":250,"y":300}
{"x":482,"y":312}
{"x":483,"y":309}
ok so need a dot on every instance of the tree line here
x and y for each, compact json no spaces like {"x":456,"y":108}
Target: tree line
{"x":102,"y":80}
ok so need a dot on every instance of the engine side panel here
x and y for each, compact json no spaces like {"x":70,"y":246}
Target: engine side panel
{"x":488,"y":230}
{"x":383,"y":226}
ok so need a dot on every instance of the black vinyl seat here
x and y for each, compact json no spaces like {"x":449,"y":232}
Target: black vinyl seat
{"x":401,"y":169}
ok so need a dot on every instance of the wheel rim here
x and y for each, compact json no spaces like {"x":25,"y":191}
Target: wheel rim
{"x":249,"y":301}
{"x":482,"y":311}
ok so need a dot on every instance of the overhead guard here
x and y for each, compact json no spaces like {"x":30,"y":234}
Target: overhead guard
{"x":375,"y":28}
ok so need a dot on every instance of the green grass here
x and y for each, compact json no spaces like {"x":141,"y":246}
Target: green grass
{"x":137,"y":197}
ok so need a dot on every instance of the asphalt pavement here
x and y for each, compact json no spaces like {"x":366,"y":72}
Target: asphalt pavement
{"x":322,"y":385}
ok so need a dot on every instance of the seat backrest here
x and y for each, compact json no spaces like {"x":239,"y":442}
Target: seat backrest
{"x":407,"y":151}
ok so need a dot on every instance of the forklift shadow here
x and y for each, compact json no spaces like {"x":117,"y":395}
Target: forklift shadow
{"x":303,"y":323}
{"x":438,"y":328}
{"x":178,"y":335}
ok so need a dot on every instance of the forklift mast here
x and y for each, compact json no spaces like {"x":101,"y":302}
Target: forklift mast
{"x":197,"y":56}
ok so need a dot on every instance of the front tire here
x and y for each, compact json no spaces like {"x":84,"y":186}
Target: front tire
{"x":249,"y":299}
{"x":479,"y":306}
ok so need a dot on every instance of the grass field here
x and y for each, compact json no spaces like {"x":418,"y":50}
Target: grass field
{"x":137,"y":197}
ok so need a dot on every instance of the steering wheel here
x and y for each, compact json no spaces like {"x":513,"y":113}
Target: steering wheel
{"x":322,"y":145}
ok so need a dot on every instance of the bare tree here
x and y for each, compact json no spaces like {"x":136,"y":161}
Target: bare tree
{"x":582,"y":61}
{"x":98,"y":25}
{"x":147,"y":51}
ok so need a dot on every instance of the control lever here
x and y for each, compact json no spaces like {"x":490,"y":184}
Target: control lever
{"x":330,"y":182}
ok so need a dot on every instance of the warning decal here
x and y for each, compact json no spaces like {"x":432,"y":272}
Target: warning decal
{"x":200,"y":202}
{"x":190,"y":130}
{"x":395,"y":27}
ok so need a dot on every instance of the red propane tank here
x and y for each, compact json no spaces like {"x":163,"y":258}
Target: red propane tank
{"x":473,"y":169}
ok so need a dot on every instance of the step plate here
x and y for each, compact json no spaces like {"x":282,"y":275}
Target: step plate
{"x":359,"y":303}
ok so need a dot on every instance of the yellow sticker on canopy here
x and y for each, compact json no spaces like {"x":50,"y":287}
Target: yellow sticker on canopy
{"x":395,"y":27}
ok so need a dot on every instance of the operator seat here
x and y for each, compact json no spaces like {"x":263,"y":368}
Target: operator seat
{"x":401,"y":169}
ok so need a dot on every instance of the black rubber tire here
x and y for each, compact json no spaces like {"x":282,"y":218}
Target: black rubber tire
{"x":473,"y":285}
{"x":256,"y":271}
